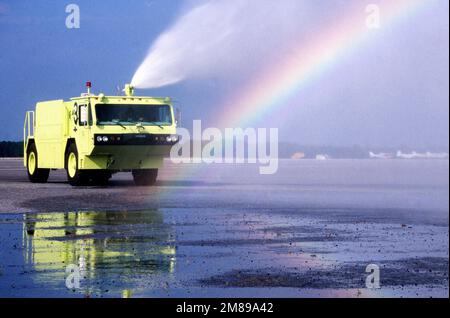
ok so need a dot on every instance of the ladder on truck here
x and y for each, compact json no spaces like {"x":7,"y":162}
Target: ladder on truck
{"x":28,"y":129}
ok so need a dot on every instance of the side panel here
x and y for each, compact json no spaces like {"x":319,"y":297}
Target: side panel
{"x":51,"y":133}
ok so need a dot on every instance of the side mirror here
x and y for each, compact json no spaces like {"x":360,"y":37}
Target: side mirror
{"x":84,"y":115}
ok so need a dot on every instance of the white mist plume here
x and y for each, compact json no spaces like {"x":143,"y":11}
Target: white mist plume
{"x":219,"y":37}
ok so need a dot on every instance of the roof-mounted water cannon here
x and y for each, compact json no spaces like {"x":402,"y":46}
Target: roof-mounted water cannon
{"x":129,"y":90}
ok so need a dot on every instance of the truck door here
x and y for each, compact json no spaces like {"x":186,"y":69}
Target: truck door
{"x":82,"y":126}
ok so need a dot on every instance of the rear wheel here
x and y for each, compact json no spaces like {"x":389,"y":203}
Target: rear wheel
{"x":75,"y":176}
{"x":145,"y":177}
{"x":35,"y":174}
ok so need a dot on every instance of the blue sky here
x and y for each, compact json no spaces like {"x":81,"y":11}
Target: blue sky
{"x":404,"y":72}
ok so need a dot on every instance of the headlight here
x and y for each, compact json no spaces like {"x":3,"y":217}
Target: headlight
{"x":172,"y":138}
{"x":105,"y":139}
{"x":99,"y":138}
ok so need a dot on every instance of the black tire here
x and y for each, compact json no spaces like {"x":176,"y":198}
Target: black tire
{"x":35,"y":174}
{"x":76,"y":177}
{"x":145,"y":177}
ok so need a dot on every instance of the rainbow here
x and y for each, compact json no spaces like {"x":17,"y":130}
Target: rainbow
{"x":274,"y":86}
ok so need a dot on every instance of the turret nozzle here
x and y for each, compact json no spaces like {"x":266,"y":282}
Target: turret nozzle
{"x":129,"y":90}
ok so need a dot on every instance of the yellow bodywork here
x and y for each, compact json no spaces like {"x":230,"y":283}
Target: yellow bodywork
{"x":55,"y":123}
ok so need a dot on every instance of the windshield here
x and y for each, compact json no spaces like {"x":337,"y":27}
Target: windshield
{"x":111,"y":114}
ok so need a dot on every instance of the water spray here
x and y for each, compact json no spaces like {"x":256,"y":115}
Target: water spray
{"x":219,"y":38}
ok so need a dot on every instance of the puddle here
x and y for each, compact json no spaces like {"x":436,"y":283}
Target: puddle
{"x":205,"y":252}
{"x":114,"y":253}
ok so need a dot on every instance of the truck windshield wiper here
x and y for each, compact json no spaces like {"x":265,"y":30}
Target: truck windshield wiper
{"x":117,"y":122}
{"x":147,"y":123}
{"x":155,"y":124}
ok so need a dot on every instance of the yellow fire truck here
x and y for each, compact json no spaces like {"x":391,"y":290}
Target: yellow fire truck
{"x":95,"y":136}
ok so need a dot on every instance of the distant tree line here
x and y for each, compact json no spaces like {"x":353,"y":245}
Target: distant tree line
{"x":286,"y":150}
{"x":11,"y":148}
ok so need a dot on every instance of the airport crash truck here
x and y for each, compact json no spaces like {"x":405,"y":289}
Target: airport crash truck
{"x":94,"y":136}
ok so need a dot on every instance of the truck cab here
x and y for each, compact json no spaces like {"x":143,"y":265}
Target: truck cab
{"x":94,"y":136}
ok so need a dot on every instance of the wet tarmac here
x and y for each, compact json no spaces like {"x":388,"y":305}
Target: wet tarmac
{"x":309,"y":231}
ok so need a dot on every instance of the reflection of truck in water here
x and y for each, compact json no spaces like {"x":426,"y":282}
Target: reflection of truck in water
{"x":94,"y":136}
{"x":118,"y":251}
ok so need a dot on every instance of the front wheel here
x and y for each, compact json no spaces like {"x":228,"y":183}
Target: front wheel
{"x":35,"y":174}
{"x":145,"y":177}
{"x":75,"y":176}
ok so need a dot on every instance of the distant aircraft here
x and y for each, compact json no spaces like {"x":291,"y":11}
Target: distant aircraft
{"x":440,"y":155}
{"x":413,"y":155}
{"x":322,"y":157}
{"x":427,"y":155}
{"x":381,"y":155}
